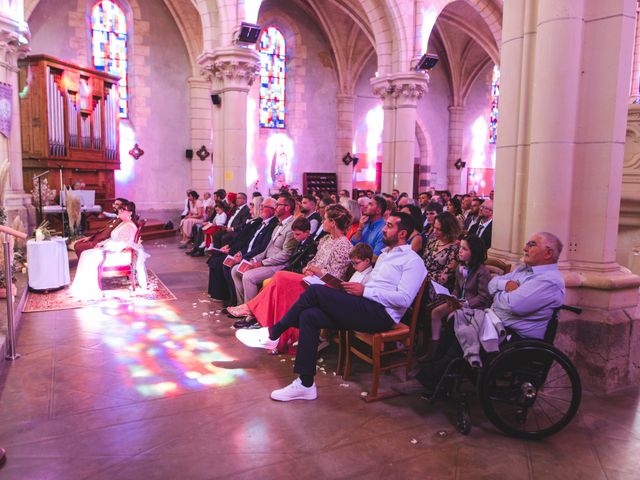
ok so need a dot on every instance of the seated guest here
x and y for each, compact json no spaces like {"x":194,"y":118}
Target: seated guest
{"x":230,"y":204}
{"x":471,"y":286}
{"x":187,"y":200}
{"x":484,"y":226}
{"x":372,"y":308}
{"x":465,"y":203}
{"x":363,"y":202}
{"x":221,"y":234}
{"x":441,"y":253}
{"x":116,"y":204}
{"x":523,"y":300}
{"x":236,"y":222}
{"x":356,"y":214}
{"x":195,"y":215}
{"x":220,"y":195}
{"x":361,"y":257}
{"x":416,"y":238}
{"x":85,"y":284}
{"x":256,"y":235}
{"x":474,"y":213}
{"x":208,"y":204}
{"x":370,"y":228}
{"x":455,"y":208}
{"x":308,"y":207}
{"x":433,"y":209}
{"x":322,"y":206}
{"x":85,"y":243}
{"x":273,"y":258}
{"x":285,"y":287}
{"x":306,"y":248}
{"x":218,"y":223}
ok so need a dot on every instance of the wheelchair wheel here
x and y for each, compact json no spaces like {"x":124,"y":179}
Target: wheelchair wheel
{"x":531,"y":390}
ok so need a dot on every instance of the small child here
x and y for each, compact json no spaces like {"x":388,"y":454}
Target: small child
{"x":361,"y":257}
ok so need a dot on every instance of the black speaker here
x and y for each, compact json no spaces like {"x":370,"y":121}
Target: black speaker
{"x":427,"y":62}
{"x":189,"y":154}
{"x":216,"y":99}
{"x":249,"y":33}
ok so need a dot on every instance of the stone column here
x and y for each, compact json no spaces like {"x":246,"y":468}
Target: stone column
{"x":634,"y":93}
{"x":344,"y":143}
{"x":400,"y":93}
{"x":456,"y":132}
{"x":231,"y":71}
{"x":559,"y":167}
{"x":13,"y":47}
{"x":201,"y":134}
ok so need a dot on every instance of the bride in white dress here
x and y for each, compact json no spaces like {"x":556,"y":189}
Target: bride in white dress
{"x":85,"y":285}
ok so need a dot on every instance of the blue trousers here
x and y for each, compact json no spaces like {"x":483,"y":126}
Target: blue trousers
{"x":324,"y":307}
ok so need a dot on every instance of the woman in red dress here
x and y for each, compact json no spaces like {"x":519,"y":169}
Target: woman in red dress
{"x":273,"y":301}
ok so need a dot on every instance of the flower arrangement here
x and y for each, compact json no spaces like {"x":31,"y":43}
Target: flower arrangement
{"x":48,"y":194}
{"x":42,"y":232}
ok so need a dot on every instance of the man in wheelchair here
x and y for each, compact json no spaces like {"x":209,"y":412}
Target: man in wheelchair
{"x":523,"y":302}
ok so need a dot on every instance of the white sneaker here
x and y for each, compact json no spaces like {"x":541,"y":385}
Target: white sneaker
{"x":295,"y":391}
{"x":203,"y":244}
{"x":256,"y":338}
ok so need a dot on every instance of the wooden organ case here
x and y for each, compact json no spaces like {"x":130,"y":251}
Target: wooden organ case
{"x":69,"y":116}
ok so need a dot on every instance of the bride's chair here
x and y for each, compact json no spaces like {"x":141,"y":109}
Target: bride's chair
{"x":120,"y":264}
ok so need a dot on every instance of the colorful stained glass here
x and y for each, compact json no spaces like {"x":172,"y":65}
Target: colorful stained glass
{"x":272,"y":78}
{"x":495,"y":97}
{"x":109,"y":46}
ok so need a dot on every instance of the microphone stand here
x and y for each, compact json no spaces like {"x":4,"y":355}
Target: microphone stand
{"x":62,"y":205}
{"x":39,"y":177}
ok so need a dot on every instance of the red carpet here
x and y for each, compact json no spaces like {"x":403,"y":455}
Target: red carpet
{"x":116,"y":289}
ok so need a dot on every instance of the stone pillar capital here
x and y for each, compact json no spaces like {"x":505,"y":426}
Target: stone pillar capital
{"x":404,"y":88}
{"x":13,"y":46}
{"x":230,"y":67}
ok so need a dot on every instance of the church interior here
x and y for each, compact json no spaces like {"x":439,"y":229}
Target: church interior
{"x":533,"y":105}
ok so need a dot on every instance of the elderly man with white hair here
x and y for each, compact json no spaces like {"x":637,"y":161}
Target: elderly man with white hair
{"x":523,"y":301}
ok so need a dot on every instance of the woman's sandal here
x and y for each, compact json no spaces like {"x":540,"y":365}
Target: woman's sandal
{"x":236,"y":312}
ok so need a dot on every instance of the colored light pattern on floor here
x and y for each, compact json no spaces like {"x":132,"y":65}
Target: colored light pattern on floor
{"x":160,"y":352}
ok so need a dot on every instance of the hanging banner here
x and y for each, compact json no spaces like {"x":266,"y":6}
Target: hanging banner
{"x":5,"y":109}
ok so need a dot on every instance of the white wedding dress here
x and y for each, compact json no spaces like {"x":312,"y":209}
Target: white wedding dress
{"x":85,"y":284}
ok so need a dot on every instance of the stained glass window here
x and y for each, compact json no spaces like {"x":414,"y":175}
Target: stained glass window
{"x":495,"y":96}
{"x":109,"y":45}
{"x":272,"y":78}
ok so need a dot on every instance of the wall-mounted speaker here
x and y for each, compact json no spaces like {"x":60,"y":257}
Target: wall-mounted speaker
{"x":189,"y":154}
{"x":249,"y":33}
{"x":216,"y":99}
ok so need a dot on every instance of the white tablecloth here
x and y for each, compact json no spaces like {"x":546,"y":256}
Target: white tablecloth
{"x":48,"y":263}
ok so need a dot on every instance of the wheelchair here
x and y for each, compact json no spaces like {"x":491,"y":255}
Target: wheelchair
{"x":529,"y":389}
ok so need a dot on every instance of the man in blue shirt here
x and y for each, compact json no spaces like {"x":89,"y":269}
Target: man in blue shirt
{"x":523,"y":300}
{"x":370,"y":228}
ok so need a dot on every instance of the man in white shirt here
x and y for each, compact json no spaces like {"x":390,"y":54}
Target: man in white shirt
{"x":376,"y":307}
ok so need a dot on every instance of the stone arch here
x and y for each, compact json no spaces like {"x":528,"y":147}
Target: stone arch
{"x":488,"y":10}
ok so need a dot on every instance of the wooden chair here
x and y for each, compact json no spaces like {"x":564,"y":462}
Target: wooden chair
{"x":377,"y":342}
{"x":497,"y":267}
{"x":120,"y":264}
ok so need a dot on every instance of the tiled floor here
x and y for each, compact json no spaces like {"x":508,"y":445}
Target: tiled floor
{"x":130,"y":393}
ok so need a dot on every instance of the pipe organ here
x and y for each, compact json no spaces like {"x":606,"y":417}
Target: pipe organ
{"x":69,"y":117}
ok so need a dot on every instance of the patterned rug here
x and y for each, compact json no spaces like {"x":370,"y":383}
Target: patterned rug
{"x":115,"y":289}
